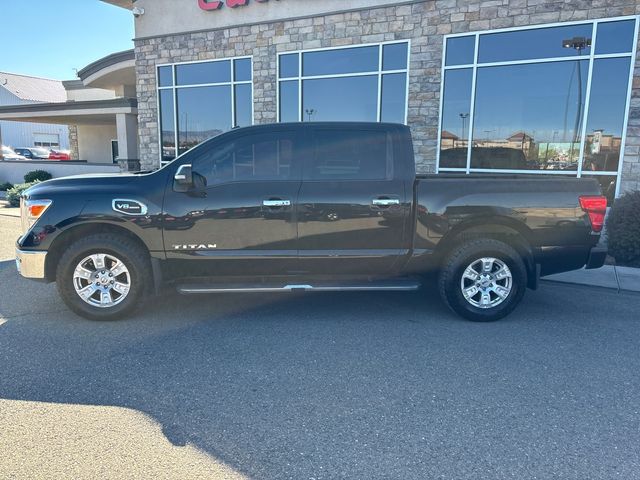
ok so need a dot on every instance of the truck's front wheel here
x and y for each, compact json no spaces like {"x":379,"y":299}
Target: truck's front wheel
{"x":103,"y":276}
{"x":483,"y":280}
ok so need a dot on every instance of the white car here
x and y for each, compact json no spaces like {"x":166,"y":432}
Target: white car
{"x":8,"y":154}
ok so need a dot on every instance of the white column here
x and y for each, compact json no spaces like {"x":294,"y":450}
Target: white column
{"x":127,"y":128}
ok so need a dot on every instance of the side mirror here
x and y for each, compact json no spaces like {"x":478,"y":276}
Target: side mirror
{"x":183,"y":178}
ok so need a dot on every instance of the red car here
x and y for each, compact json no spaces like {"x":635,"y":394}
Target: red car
{"x":59,"y":155}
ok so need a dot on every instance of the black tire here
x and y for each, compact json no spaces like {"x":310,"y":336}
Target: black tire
{"x":463,"y":255}
{"x":135,"y":259}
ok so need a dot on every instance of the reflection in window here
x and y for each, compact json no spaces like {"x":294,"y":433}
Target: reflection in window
{"x":460,"y":50}
{"x":167,"y":126}
{"x":204,"y":102}
{"x":608,"y":103}
{"x":535,"y":43}
{"x":252,"y":157}
{"x":351,"y":154}
{"x":455,"y":118}
{"x":616,"y":37}
{"x":343,"y":99}
{"x":533,"y":115}
{"x":203,"y":112}
{"x":394,"y":97}
{"x":339,"y":61}
{"x":520,"y":107}
{"x":345,"y":84}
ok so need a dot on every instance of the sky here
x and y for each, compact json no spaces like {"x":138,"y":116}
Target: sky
{"x":51,"y":38}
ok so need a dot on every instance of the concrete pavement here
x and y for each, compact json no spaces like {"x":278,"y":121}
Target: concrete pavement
{"x":326,"y":386}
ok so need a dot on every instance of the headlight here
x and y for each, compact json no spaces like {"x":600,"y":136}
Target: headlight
{"x":31,"y":211}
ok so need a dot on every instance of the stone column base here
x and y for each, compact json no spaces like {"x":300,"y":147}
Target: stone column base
{"x":129,"y":164}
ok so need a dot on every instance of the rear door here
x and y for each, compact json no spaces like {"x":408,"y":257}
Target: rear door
{"x":354,"y":202}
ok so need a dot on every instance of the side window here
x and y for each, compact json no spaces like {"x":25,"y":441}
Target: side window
{"x":351,"y":154}
{"x":251,"y":157}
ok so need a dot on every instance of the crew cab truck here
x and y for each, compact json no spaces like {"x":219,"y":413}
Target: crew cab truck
{"x":306,"y":207}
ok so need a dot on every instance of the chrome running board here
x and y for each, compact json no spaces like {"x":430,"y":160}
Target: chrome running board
{"x":389,"y":285}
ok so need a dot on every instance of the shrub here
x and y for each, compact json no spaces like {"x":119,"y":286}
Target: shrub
{"x":623,"y":229}
{"x":37,"y":175}
{"x":5,"y":186}
{"x":13,"y":194}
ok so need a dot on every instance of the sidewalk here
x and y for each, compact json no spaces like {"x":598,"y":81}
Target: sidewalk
{"x":601,"y":277}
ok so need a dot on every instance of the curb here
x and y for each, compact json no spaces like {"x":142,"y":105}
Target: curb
{"x":590,"y":286}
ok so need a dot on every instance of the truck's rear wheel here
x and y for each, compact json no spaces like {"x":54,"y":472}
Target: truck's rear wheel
{"x":103,"y":276}
{"x":483,"y":280}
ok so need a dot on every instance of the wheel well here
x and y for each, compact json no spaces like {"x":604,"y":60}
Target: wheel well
{"x":509,"y":234}
{"x":69,"y":236}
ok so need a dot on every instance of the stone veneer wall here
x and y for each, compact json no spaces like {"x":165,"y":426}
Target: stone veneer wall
{"x":424,"y":22}
{"x":73,"y":142}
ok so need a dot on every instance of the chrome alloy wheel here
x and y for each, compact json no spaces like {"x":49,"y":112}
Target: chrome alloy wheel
{"x":486,"y":282}
{"x":102,"y":280}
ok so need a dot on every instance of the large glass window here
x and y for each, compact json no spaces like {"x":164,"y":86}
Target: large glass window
{"x":363,"y":83}
{"x":542,"y":100}
{"x":200,"y":100}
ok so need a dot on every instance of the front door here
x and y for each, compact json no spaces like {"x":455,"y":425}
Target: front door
{"x":243,"y":222}
{"x":353,"y":204}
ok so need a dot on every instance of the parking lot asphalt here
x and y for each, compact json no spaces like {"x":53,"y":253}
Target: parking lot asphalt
{"x":318,"y":386}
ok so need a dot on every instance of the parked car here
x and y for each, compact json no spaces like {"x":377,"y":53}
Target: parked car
{"x":60,"y":155}
{"x":9,"y":154}
{"x":34,"y":153}
{"x":109,"y":241}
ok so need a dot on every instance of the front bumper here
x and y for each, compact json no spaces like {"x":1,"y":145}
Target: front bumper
{"x":597,"y":256}
{"x":31,"y":264}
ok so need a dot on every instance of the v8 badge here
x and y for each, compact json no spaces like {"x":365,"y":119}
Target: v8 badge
{"x":129,"y":207}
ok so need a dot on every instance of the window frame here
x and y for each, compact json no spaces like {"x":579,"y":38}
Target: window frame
{"x":175,"y":87}
{"x":300,"y":78}
{"x":592,"y":57}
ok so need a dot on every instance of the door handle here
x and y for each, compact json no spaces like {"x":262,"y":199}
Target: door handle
{"x":275,"y":203}
{"x":385,"y":202}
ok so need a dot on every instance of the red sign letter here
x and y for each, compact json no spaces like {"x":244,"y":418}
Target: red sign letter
{"x":207,"y":5}
{"x":236,"y":3}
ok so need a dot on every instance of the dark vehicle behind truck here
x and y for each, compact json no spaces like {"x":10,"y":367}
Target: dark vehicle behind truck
{"x":306,"y":207}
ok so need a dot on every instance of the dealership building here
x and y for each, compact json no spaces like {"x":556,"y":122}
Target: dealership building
{"x":495,"y":86}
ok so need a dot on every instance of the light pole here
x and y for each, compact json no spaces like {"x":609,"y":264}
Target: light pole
{"x":464,"y":117}
{"x":578,"y":44}
{"x":309,"y":112}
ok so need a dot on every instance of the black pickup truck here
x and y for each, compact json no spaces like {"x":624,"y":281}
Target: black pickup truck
{"x":306,"y":207}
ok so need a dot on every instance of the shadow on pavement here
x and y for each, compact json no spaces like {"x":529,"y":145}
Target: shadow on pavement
{"x":364,"y":385}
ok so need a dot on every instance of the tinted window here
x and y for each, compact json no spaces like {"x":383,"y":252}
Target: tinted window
{"x":243,"y":105}
{"x":242,"y":70}
{"x":343,"y":60}
{"x":455,"y":118}
{"x":351,"y":154}
{"x":165,"y":76}
{"x":615,"y":37}
{"x":205,"y":72}
{"x":251,"y":157}
{"x":394,"y":56}
{"x":460,"y":50}
{"x":289,"y":101}
{"x":394,"y":93}
{"x":289,"y":65}
{"x":203,"y":112}
{"x":167,"y":126}
{"x":535,"y":43}
{"x":533,"y":110}
{"x":340,"y":99}
{"x":608,"y":104}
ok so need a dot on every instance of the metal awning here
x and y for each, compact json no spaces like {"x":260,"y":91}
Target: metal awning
{"x":90,"y":112}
